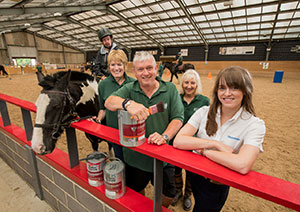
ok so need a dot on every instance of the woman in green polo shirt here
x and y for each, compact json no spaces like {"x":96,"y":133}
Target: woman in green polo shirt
{"x":190,"y":92}
{"x":117,"y":65}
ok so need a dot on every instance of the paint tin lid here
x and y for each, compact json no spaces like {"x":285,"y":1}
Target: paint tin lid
{"x":114,"y":167}
{"x":96,"y":157}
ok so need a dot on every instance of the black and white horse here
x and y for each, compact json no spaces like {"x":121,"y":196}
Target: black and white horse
{"x":65,"y":95}
{"x":181,"y":69}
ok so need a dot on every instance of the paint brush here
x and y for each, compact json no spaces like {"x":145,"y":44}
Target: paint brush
{"x":159,"y":107}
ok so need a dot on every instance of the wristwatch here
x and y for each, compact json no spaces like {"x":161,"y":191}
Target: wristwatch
{"x":166,"y":138}
{"x":126,"y":103}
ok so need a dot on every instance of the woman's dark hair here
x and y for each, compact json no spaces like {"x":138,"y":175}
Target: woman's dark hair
{"x":237,"y":77}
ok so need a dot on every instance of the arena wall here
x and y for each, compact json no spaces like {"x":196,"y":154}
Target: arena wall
{"x":47,"y":51}
{"x":60,"y":192}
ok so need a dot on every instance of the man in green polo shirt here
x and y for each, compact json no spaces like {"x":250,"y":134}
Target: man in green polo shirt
{"x":136,"y":97}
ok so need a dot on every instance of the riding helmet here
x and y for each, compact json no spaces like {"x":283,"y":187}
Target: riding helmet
{"x":103,"y":32}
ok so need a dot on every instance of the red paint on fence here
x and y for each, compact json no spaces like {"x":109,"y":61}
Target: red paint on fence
{"x":271,"y":188}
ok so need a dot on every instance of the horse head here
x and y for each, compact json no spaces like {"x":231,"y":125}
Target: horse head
{"x":55,"y":108}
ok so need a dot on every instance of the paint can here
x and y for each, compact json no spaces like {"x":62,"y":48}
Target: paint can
{"x":95,"y":163}
{"x":114,"y":178}
{"x":132,"y":133}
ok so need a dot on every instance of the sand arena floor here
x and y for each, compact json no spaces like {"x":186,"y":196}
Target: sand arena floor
{"x":278,"y":104}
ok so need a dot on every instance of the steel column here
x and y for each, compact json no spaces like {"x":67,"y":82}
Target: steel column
{"x":72,"y":147}
{"x":158,"y":185}
{"x":36,"y":182}
{"x":27,"y":123}
{"x":4,"y":113}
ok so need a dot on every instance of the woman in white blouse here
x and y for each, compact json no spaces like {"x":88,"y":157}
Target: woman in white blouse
{"x":228,"y":133}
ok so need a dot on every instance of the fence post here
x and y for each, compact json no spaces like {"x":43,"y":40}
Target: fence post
{"x":72,"y":147}
{"x":158,"y":184}
{"x":36,"y":182}
{"x":4,"y":113}
{"x":27,"y":123}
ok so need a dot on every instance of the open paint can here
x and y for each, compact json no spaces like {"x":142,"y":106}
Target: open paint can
{"x":132,"y":133}
{"x":114,"y":178}
{"x":95,"y":163}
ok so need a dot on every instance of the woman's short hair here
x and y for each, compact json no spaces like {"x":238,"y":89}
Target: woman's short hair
{"x":118,"y":56}
{"x":191,"y":74}
{"x":142,"y":56}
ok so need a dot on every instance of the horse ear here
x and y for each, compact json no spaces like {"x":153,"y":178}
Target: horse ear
{"x":40,"y":76}
{"x":64,"y":81}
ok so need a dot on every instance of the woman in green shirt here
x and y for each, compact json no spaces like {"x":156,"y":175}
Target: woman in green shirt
{"x":117,"y":65}
{"x":190,"y":92}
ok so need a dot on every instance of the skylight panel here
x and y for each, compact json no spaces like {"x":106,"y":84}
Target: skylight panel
{"x":292,"y":35}
{"x":203,"y":25}
{"x":238,"y":13}
{"x":166,"y":5}
{"x":200,"y":18}
{"x":278,"y":36}
{"x":297,"y":15}
{"x":215,"y":24}
{"x":279,"y":31}
{"x":227,"y":22}
{"x":207,"y":31}
{"x":240,"y":21}
{"x":266,"y":25}
{"x":254,"y":11}
{"x":268,"y":17}
{"x":216,"y":30}
{"x":282,"y":24}
{"x":213,"y":16}
{"x":271,"y":8}
{"x":294,"y":29}
{"x":156,"y":8}
{"x":253,"y":19}
{"x":288,"y":6}
{"x":285,"y":16}
{"x":225,"y":15}
{"x":128,"y":14}
{"x":145,"y":19}
{"x":137,"y":12}
{"x":128,"y":4}
{"x":228,"y":29}
{"x":208,"y":8}
{"x":295,"y":23}
{"x":240,"y":28}
{"x":195,"y":10}
{"x":173,"y":14}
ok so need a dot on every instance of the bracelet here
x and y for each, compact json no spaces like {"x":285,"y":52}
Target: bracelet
{"x":124,"y":103}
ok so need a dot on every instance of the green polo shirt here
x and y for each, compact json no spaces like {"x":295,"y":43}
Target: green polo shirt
{"x":105,"y":88}
{"x":168,"y":94}
{"x":189,"y":109}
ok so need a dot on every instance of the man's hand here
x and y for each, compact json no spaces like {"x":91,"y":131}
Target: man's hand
{"x":156,"y":138}
{"x":138,"y":111}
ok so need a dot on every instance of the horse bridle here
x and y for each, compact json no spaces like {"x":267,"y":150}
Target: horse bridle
{"x":56,"y":127}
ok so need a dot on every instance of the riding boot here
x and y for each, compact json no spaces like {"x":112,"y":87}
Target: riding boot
{"x":179,"y":185}
{"x":187,"y":201}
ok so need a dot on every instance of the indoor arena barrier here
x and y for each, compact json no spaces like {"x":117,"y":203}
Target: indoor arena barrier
{"x":270,"y":188}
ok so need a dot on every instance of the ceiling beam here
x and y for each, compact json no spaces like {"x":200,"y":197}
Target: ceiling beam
{"x":92,"y":30}
{"x":39,"y":10}
{"x":274,"y":24}
{"x":31,"y":21}
{"x":186,"y":12}
{"x":22,"y":3}
{"x":113,"y":12}
{"x":66,"y":35}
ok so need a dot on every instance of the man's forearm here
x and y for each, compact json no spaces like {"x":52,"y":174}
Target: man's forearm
{"x":114,"y":103}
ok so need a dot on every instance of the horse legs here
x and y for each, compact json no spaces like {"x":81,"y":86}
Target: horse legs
{"x":171,"y":77}
{"x":95,"y":142}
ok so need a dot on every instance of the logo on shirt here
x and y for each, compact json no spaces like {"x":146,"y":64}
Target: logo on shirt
{"x":234,"y":138}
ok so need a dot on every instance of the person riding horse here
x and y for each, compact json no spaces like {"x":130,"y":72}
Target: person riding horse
{"x":179,"y":62}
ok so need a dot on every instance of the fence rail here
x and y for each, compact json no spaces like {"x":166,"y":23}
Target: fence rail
{"x":271,"y":188}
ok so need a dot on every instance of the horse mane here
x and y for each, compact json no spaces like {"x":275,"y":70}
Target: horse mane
{"x":49,"y":81}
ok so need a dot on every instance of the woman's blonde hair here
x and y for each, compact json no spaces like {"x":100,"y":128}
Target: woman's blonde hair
{"x":191,"y":74}
{"x":233,"y":76}
{"x":118,"y":56}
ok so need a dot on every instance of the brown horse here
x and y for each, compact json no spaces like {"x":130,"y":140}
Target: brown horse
{"x":181,"y":69}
